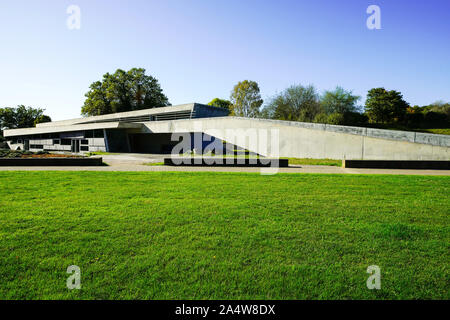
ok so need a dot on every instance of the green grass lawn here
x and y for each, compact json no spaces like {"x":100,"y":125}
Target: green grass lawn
{"x":162,"y":235}
{"x":315,"y":162}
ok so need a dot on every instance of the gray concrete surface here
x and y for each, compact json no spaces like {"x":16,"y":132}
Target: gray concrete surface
{"x":317,"y":141}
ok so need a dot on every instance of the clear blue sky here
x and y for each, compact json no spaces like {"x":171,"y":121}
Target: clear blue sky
{"x":199,"y":49}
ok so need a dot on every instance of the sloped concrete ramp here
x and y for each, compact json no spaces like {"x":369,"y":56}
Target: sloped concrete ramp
{"x":311,"y":140}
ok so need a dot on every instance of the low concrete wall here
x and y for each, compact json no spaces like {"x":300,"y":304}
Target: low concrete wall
{"x":311,"y":140}
{"x":227,"y":162}
{"x":50,"y":162}
{"x":399,"y":164}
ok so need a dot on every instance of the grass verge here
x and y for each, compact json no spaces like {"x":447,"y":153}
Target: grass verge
{"x":177,"y":235}
{"x":153,"y":164}
{"x":315,"y":162}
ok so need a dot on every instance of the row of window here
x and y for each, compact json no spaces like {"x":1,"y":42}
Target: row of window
{"x":40,"y":146}
{"x":56,"y":137}
{"x":64,"y":142}
{"x":36,"y":146}
{"x":68,"y":142}
{"x":94,"y":133}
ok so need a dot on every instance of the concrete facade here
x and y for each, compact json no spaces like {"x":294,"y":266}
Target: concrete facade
{"x":107,"y":133}
{"x":311,"y":140}
{"x":150,"y":131}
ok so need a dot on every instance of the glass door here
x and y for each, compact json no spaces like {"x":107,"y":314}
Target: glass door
{"x":75,"y":145}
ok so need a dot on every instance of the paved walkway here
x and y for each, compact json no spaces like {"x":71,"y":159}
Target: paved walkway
{"x":135,"y":162}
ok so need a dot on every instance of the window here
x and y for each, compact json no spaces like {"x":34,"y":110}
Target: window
{"x":56,"y":141}
{"x":66,"y":142}
{"x":19,"y":140}
{"x":84,"y":142}
{"x":84,"y":148}
{"x":98,"y":133}
{"x":36,"y":146}
{"x":89,"y":134}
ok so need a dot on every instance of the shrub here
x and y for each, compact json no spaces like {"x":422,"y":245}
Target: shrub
{"x":435,"y":118}
{"x":336,"y":118}
{"x":414,"y":120}
{"x":18,"y":153}
{"x":355,"y":119}
{"x":321,"y":118}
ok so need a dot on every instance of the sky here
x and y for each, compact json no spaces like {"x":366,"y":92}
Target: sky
{"x":199,"y":49}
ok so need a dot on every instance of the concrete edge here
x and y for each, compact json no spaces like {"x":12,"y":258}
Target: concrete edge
{"x":397,"y":164}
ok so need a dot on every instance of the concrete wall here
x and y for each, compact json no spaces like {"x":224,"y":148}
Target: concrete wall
{"x":14,"y":162}
{"x":309,"y":140}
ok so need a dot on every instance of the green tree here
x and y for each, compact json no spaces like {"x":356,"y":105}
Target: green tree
{"x":221,"y":103}
{"x":7,"y":118}
{"x":20,"y":117}
{"x":42,"y":119}
{"x":339,"y":101}
{"x":246,"y":99}
{"x":123,"y":91}
{"x":296,"y":103}
{"x":439,"y":107}
{"x":383,"y":106}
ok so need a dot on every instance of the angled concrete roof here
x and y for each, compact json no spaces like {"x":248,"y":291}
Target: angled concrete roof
{"x":137,"y":113}
{"x":68,"y":128}
{"x":120,"y":120}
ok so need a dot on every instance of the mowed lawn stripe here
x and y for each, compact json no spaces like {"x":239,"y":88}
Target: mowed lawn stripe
{"x":163,"y":235}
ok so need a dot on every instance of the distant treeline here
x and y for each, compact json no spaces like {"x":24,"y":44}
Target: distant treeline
{"x":383,"y":108}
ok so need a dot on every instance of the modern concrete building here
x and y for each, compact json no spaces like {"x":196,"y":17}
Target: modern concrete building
{"x":149,"y":131}
{"x":119,"y":132}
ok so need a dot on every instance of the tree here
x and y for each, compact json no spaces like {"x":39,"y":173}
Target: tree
{"x":7,"y":118}
{"x":383,"y":106}
{"x":221,"y":103}
{"x":296,"y":103}
{"x":123,"y":91}
{"x":246,"y":99}
{"x":42,"y":119}
{"x":439,"y":107}
{"x":20,"y":117}
{"x":339,"y":101}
